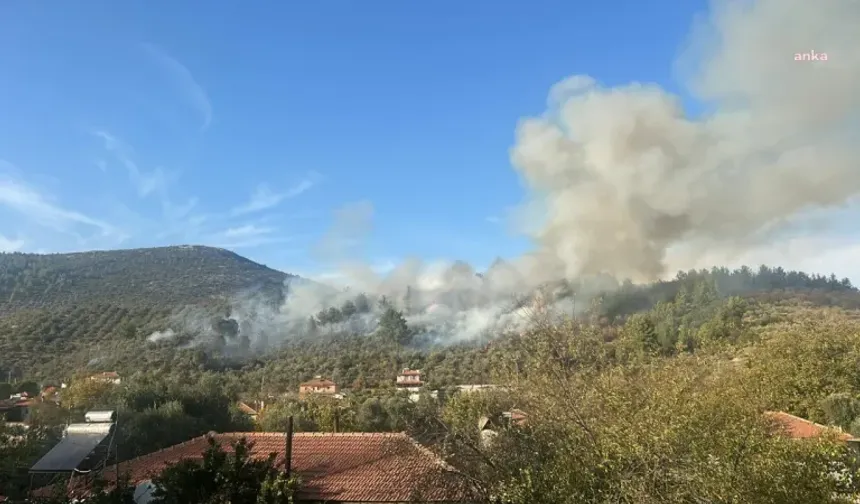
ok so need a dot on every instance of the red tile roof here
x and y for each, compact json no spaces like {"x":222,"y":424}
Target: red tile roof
{"x":343,"y":467}
{"x":801,"y":428}
{"x":410,"y":372}
{"x":518,"y":417}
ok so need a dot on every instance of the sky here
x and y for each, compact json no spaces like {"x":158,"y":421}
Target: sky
{"x":253,"y":126}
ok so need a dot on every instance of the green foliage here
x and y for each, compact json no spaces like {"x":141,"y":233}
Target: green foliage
{"x":164,"y":276}
{"x":221,"y":477}
{"x":19,"y":449}
{"x":393,"y":328}
{"x":666,"y":430}
{"x":841,"y":409}
{"x":5,"y":390}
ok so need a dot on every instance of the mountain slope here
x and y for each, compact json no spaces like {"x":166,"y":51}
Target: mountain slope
{"x":67,"y":311}
{"x":152,"y":277}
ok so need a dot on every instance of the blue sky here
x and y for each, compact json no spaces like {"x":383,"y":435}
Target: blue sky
{"x":247,"y":125}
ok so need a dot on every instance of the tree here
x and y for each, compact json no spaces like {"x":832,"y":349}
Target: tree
{"x":841,"y":409}
{"x":393,"y":327}
{"x":630,"y":432}
{"x":221,"y":477}
{"x":348,"y":309}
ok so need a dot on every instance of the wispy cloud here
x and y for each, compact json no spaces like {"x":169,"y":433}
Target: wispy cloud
{"x":246,"y":231}
{"x":11,"y":245}
{"x":264,"y":198}
{"x":38,"y":207}
{"x":147,"y":183}
{"x":184,"y":79}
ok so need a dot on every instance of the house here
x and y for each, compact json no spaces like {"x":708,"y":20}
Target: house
{"x":489,"y":426}
{"x":50,"y":393}
{"x":16,"y":408}
{"x":800,"y":428}
{"x":318,"y":386}
{"x":354,"y":468}
{"x":247,"y":410}
{"x":409,"y":379}
{"x":107,"y":377}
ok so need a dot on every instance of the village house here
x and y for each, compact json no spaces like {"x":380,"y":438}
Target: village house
{"x":796,"y":427}
{"x":489,"y":426}
{"x":318,"y":386}
{"x":107,"y":377}
{"x":16,"y":409}
{"x":50,"y":393}
{"x":409,"y":379}
{"x":248,"y":410}
{"x":354,"y":468}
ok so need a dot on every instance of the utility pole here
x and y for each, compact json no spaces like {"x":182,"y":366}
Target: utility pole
{"x":288,"y":451}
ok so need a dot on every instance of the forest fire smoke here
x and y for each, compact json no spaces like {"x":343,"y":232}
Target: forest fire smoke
{"x":629,"y":184}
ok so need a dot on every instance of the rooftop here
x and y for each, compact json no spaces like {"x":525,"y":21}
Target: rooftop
{"x":345,"y":467}
{"x":318,"y":382}
{"x":801,"y":428}
{"x":244,"y":408}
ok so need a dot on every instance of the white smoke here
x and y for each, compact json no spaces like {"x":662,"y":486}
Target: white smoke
{"x":625,"y":183}
{"x":161,"y":335}
{"x":631,"y":183}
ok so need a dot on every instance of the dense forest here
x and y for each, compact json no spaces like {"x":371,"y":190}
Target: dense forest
{"x":618,"y":394}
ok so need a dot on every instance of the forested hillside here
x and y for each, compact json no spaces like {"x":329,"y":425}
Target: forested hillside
{"x":73,"y":313}
{"x":153,"y":277}
{"x":617,"y":396}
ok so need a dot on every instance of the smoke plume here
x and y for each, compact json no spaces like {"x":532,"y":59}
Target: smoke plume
{"x":626,"y":183}
{"x":627,"y":178}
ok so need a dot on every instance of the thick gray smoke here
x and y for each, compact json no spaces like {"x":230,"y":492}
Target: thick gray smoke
{"x":627,"y":184}
{"x":630,"y":183}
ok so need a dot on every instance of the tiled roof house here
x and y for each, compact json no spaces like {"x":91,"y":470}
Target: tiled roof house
{"x":801,"y":428}
{"x":318,"y":385}
{"x":355,"y":468}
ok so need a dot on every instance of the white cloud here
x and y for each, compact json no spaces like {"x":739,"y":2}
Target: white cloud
{"x":247,"y":236}
{"x":38,"y":207}
{"x":264,"y":198}
{"x":185,"y":80}
{"x":11,"y":245}
{"x":247,"y":230}
{"x":147,"y":183}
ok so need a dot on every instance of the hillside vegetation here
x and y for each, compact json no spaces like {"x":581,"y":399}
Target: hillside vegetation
{"x":137,"y":278}
{"x":60,"y":312}
{"x":73,"y":313}
{"x":617,"y":398}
